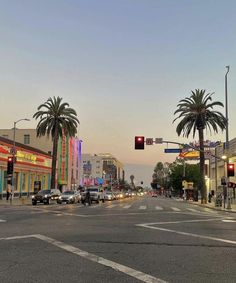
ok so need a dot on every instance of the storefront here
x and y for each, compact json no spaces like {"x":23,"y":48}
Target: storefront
{"x":32,"y":169}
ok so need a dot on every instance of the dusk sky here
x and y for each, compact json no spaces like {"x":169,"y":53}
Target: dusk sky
{"x":123,"y":65}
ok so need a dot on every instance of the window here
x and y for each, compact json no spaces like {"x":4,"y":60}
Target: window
{"x":26,"y":139}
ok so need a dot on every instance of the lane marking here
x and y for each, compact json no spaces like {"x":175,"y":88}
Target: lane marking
{"x":178,"y":222}
{"x":189,"y":234}
{"x":143,"y":207}
{"x":158,"y":208}
{"x":175,"y":208}
{"x":192,"y":209}
{"x":92,"y":257}
{"x":111,"y":206}
{"x":2,"y":220}
{"x":228,"y":220}
{"x":127,"y":206}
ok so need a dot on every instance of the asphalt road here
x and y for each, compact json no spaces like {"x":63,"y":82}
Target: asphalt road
{"x":133,"y":240}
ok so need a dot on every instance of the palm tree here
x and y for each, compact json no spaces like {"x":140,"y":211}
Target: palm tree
{"x":196,"y":113}
{"x":56,"y":120}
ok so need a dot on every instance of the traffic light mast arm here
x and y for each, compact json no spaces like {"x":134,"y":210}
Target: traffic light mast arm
{"x":195,"y":148}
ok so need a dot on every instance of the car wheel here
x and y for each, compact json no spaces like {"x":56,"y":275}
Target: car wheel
{"x":34,"y":202}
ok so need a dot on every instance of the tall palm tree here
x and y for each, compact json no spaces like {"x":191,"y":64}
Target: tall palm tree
{"x":56,"y":120}
{"x":196,"y":113}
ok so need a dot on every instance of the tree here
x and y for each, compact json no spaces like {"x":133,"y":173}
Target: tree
{"x":56,"y":120}
{"x":196,"y":113}
{"x":180,"y":170}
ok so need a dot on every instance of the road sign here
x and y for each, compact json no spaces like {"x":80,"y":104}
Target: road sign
{"x":149,"y":141}
{"x":159,"y":140}
{"x":173,"y":150}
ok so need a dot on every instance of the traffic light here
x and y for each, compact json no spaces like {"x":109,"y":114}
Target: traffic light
{"x":230,"y":170}
{"x":10,"y":165}
{"x":139,"y":142}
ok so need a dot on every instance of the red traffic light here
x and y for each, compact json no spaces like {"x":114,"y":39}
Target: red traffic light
{"x":139,"y":142}
{"x":230,"y":170}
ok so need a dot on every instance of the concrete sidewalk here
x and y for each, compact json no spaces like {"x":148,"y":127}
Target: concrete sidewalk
{"x":213,"y":206}
{"x":16,"y":201}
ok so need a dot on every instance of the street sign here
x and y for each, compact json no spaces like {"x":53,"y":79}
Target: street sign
{"x":159,"y":140}
{"x":173,"y":150}
{"x":149,"y":141}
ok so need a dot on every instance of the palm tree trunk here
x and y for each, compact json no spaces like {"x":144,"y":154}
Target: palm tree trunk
{"x":54,"y":160}
{"x":202,"y":167}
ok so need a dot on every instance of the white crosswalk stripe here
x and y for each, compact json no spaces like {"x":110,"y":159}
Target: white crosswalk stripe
{"x":192,"y":209}
{"x":127,"y":206}
{"x":158,"y":207}
{"x":111,"y":205}
{"x":175,"y":208}
{"x":143,"y":207}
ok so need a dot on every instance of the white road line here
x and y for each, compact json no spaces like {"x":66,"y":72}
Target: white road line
{"x":192,"y":209}
{"x":178,"y":222}
{"x":190,"y":234}
{"x":158,"y":208}
{"x":92,"y":257}
{"x":1,"y":220}
{"x":127,"y":206}
{"x":143,"y":207}
{"x":175,"y":208}
{"x":111,"y":205}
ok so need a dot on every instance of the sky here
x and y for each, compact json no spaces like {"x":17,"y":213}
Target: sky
{"x":123,"y":65}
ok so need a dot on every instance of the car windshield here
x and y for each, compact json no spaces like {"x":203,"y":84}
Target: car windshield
{"x":93,"y":189}
{"x":68,"y":193}
{"x":44,"y":192}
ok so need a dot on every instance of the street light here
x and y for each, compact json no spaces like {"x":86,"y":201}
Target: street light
{"x":227,"y":135}
{"x":14,"y":152}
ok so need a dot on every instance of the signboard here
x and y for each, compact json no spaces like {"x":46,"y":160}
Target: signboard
{"x":158,"y":140}
{"x":149,"y":141}
{"x":173,"y":150}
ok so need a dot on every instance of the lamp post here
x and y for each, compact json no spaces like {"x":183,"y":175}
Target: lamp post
{"x":227,"y":136}
{"x":14,"y":152}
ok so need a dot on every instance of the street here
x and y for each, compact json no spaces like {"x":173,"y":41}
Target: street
{"x":139,"y":239}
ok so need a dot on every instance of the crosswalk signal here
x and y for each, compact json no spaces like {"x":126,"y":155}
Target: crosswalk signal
{"x":139,"y":142}
{"x":230,"y":170}
{"x":10,"y":165}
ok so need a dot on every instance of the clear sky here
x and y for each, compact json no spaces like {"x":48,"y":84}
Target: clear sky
{"x":123,"y":65}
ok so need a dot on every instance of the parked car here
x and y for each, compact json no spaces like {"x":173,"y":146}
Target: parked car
{"x":45,"y":196}
{"x":68,"y":197}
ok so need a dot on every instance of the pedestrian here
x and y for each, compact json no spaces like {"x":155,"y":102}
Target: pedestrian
{"x":8,"y":190}
{"x":209,"y":197}
{"x":87,"y":198}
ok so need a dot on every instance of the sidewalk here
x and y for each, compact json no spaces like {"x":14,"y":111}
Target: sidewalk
{"x":16,"y":201}
{"x":212,"y":206}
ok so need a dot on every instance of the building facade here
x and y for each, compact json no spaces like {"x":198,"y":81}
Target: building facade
{"x":101,"y":169}
{"x":69,"y":154}
{"x":32,"y":169}
{"x":218,"y":169}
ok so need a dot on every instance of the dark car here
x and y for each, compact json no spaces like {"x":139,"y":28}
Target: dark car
{"x":45,"y":196}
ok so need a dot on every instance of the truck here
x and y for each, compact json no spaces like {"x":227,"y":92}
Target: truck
{"x":96,"y":194}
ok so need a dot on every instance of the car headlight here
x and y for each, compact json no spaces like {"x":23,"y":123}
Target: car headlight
{"x":33,"y":196}
{"x":46,"y":196}
{"x":59,"y":197}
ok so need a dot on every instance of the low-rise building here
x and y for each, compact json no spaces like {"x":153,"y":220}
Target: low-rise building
{"x":32,"y":169}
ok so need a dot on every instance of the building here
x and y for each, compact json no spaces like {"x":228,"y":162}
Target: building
{"x":101,"y":169}
{"x":69,"y":153}
{"x":218,"y":170}
{"x":32,"y":169}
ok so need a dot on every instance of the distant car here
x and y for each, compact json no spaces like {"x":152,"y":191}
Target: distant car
{"x":109,"y":196}
{"x":154,"y":194}
{"x":45,"y":196}
{"x":68,"y":197}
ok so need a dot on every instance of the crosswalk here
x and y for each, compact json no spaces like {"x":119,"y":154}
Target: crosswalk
{"x":141,"y":207}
